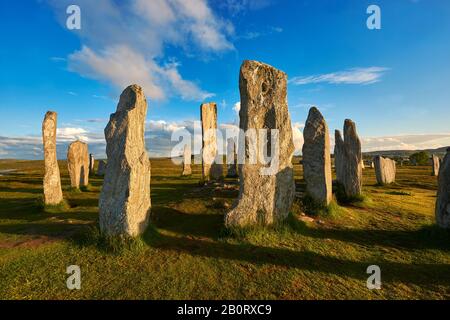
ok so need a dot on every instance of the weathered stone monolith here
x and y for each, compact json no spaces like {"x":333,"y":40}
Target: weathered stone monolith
{"x":91,"y":163}
{"x":187,"y":159}
{"x":352,"y":178}
{"x":385,"y":170}
{"x":231,"y":158}
{"x":348,"y":156}
{"x":436,"y":164}
{"x":443,"y":194}
{"x":78,"y":164}
{"x":317,"y":159}
{"x":125,"y":198}
{"x":52,"y":180}
{"x":101,"y":168}
{"x":211,"y":168}
{"x":339,"y":156}
{"x":267,"y":187}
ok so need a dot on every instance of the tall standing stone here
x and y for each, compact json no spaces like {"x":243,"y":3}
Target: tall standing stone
{"x":443,"y":194}
{"x":91,"y":163}
{"x":385,"y":170}
{"x":78,"y":164}
{"x":266,"y":189}
{"x":349,"y":161}
{"x":436,"y":164}
{"x":101,"y":168}
{"x":352,"y":179}
{"x":317,"y":159}
{"x":187,"y":159}
{"x":52,"y":180}
{"x":125,"y":197}
{"x":211,"y":169}
{"x":339,"y":156}
{"x":231,"y":158}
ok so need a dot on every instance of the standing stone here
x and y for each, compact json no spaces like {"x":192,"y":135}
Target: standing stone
{"x":266,"y":190}
{"x":125,"y":198}
{"x":78,"y":164}
{"x":385,"y":170}
{"x":231,"y":158}
{"x":211,"y":169}
{"x":443,"y":194}
{"x":352,"y":177}
{"x":436,"y":165}
{"x":349,"y":159}
{"x":339,"y":156}
{"x":317,"y":159}
{"x":91,"y":163}
{"x":101,"y":168}
{"x":52,"y":180}
{"x":187,"y":171}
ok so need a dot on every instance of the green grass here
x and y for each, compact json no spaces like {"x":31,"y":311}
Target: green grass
{"x":187,"y":254}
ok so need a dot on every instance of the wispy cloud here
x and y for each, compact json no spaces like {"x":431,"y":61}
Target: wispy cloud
{"x":240,"y":6}
{"x":251,"y":35}
{"x":351,"y":76}
{"x":113,"y":52}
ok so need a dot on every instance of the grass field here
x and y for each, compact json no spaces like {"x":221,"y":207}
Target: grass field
{"x":189,"y":255}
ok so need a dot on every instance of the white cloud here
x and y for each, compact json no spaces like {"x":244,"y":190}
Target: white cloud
{"x":241,"y":6}
{"x":351,"y":76}
{"x":122,"y":66}
{"x":237,"y":107}
{"x":159,"y":144}
{"x":123,"y":42}
{"x":406,"y":142}
{"x":297,"y":135}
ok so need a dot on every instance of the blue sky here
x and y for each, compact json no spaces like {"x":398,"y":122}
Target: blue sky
{"x":393,"y":82}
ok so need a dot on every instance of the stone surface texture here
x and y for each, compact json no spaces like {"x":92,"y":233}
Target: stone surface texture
{"x":78,"y":164}
{"x":187,"y":170}
{"x":385,"y":170}
{"x":52,"y":180}
{"x":211,"y":168}
{"x":267,"y":189}
{"x":125,"y":198}
{"x":317,"y":159}
{"x":443,"y":194}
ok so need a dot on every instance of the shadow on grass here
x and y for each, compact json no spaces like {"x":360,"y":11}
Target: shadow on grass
{"x":421,"y":274}
{"x":197,"y":225}
{"x":429,"y":237}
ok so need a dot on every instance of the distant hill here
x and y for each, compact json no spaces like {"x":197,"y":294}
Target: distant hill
{"x":405,"y":153}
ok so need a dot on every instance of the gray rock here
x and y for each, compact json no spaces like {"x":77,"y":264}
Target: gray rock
{"x":208,"y":115}
{"x":443,"y":194}
{"x":352,"y":177}
{"x":338,"y":156}
{"x":231,"y":159}
{"x":436,"y":164}
{"x":349,"y":161}
{"x":187,"y":171}
{"x":52,"y":180}
{"x":101,"y":168}
{"x":317,"y":159}
{"x":91,"y":164}
{"x":78,"y":164}
{"x":385,"y":170}
{"x":125,"y":198}
{"x":267,"y":190}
